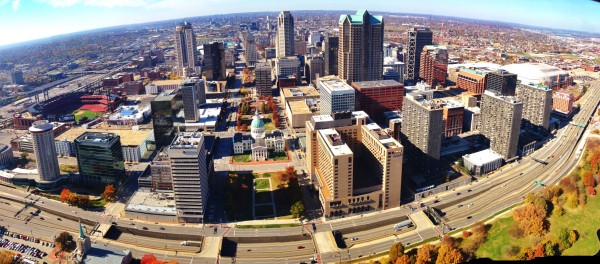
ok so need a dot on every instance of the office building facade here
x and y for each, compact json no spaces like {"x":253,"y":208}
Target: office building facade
{"x":454,"y":113}
{"x":501,"y":82}
{"x":214,"y":61}
{"x":100,"y":159}
{"x":251,"y":54}
{"x":470,"y":80}
{"x":17,"y":77}
{"x":537,"y":106}
{"x":562,"y":102}
{"x":434,"y":65}
{"x":501,"y":122}
{"x":417,"y":39}
{"x":336,"y":95}
{"x":185,"y":48}
{"x":262,"y":77}
{"x":330,"y":50}
{"x":44,"y":150}
{"x":315,"y":69}
{"x":284,"y":40}
{"x":164,"y":108}
{"x":360,"y":53}
{"x":377,"y":97}
{"x":190,"y":106}
{"x":422,"y":129}
{"x":189,"y":174}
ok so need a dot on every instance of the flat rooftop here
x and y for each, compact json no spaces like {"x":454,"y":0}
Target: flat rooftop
{"x":299,"y":107}
{"x":128,"y":137}
{"x":482,"y":157}
{"x":301,"y":91}
{"x":145,"y":201}
{"x":322,"y":118}
{"x":335,"y":85}
{"x":166,"y":82}
{"x":376,"y":84}
{"x":334,"y":142}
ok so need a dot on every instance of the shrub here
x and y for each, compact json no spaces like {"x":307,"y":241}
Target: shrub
{"x":466,"y":233}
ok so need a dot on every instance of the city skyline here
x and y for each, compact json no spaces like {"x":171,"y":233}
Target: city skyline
{"x":39,"y":17}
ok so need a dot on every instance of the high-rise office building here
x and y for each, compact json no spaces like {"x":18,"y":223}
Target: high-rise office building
{"x":500,"y":122}
{"x":299,"y":45}
{"x":470,"y":80}
{"x":100,"y":159}
{"x":187,"y":156}
{"x":185,"y":48}
{"x":537,"y":105}
{"x":190,"y":105}
{"x":417,"y":39}
{"x":336,"y":95}
{"x":214,"y":61}
{"x":251,"y":54}
{"x":422,"y":129}
{"x":340,"y":150}
{"x":501,"y":82}
{"x":284,"y":41}
{"x":315,"y":69}
{"x":17,"y":77}
{"x":164,"y":108}
{"x":434,"y":65}
{"x":562,"y":102}
{"x":44,"y":150}
{"x":360,"y":54}
{"x":262,"y":76}
{"x":377,"y":97}
{"x":330,"y":48}
{"x":287,"y":66}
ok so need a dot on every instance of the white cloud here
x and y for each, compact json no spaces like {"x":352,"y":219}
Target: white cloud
{"x":111,"y":3}
{"x":15,"y":5}
{"x":59,"y":3}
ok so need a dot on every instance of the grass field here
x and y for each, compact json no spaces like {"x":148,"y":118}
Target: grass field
{"x":85,"y":113}
{"x":241,"y":157}
{"x":260,"y":184}
{"x":498,"y":240}
{"x":277,"y":155}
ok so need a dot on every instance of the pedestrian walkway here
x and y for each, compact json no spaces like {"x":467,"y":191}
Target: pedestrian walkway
{"x":421,"y":220}
{"x":211,"y":247}
{"x":325,"y":242}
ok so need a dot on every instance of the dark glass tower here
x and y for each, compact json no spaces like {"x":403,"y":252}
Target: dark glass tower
{"x":100,"y":159}
{"x":417,"y":39}
{"x":501,"y":82}
{"x":164,"y":108}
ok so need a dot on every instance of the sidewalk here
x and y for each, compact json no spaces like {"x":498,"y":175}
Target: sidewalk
{"x":325,"y":242}
{"x":211,"y":247}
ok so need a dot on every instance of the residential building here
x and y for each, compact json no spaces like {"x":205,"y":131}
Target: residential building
{"x":360,"y":54}
{"x":214,"y":61}
{"x":537,"y":105}
{"x":470,"y":80}
{"x":434,"y":65}
{"x":417,"y":39}
{"x":185,"y":48}
{"x":187,"y":156}
{"x":422,"y":129}
{"x":340,"y":150}
{"x":453,"y":118}
{"x":501,"y":82}
{"x":45,"y":154}
{"x":501,"y":123}
{"x":315,"y":69}
{"x":160,"y":171}
{"x":472,"y":119}
{"x":377,"y":97}
{"x":330,"y":49}
{"x":284,"y":41}
{"x":100,"y":159}
{"x":262,"y":77}
{"x":251,"y":54}
{"x":562,"y":102}
{"x":336,"y":95}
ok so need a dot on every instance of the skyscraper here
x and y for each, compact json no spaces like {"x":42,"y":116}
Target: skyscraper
{"x":330,"y":48}
{"x":164,"y":108}
{"x":185,"y":48}
{"x":336,"y":95}
{"x":360,"y":54}
{"x":262,"y":74}
{"x":214,"y":61}
{"x":417,"y":39}
{"x":501,"y":82}
{"x":376,"y":97}
{"x":434,"y":65}
{"x":190,"y":106}
{"x":501,"y":122}
{"x":284,"y":42}
{"x":187,"y":156}
{"x":100,"y":159}
{"x":250,"y":47}
{"x":44,"y":149}
{"x":537,"y":105}
{"x":17,"y":77}
{"x":422,"y":129}
{"x":316,"y":69}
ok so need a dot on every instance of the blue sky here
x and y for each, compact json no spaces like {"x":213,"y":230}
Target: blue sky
{"x":22,"y":20}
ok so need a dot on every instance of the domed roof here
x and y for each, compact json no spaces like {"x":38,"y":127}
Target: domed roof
{"x":257,"y":121}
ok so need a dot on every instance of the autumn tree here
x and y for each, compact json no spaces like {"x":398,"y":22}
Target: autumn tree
{"x":588,"y":180}
{"x":6,"y":257}
{"x":527,"y":254}
{"x":64,"y":195}
{"x":531,"y":220}
{"x":425,"y":254}
{"x":148,"y":259}
{"x":109,"y":193}
{"x":404,"y":259}
{"x":448,"y":254}
{"x":572,"y":200}
{"x":396,"y":250}
{"x":591,"y":191}
{"x":564,"y":238}
{"x":64,"y":240}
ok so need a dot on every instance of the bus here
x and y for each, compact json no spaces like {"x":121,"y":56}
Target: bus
{"x":403,"y":224}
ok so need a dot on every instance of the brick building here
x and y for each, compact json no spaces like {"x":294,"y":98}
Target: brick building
{"x":470,"y":80}
{"x":434,"y":65}
{"x":377,"y":97}
{"x":563,"y":102}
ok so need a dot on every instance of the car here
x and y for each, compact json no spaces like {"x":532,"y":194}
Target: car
{"x":354,"y":239}
{"x":459,"y":206}
{"x":58,"y":218}
{"x":145,"y":228}
{"x":436,"y":201}
{"x":161,"y":228}
{"x":457,"y":193}
{"x":469,"y":217}
{"x":131,"y":223}
{"x":469,"y":190}
{"x":41,"y":218}
{"x":301,"y":247}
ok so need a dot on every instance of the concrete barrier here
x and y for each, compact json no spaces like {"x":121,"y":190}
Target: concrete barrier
{"x":154,"y":234}
{"x":269,"y":239}
{"x":391,"y":222}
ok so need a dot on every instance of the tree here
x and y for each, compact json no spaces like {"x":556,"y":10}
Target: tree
{"x":6,"y":257}
{"x":448,"y":254}
{"x":563,"y":239}
{"x":588,"y":180}
{"x":591,"y":191}
{"x":396,"y":251}
{"x":404,"y":259}
{"x":64,"y":240}
{"x":64,"y":195}
{"x":109,"y":193}
{"x":531,"y":220}
{"x":244,"y":127}
{"x":539,"y":251}
{"x":550,"y":249}
{"x":558,"y":210}
{"x":466,"y":234}
{"x":572,"y":200}
{"x":148,"y":259}
{"x":297,"y":209}
{"x":425,"y":254}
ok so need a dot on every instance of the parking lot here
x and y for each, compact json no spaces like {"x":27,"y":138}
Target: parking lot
{"x":21,"y":245}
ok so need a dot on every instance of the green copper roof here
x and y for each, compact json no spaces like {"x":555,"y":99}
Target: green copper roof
{"x":359,"y":16}
{"x":81,"y":233}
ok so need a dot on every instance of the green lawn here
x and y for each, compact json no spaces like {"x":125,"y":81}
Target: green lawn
{"x":586,"y":221}
{"x":242,"y":157}
{"x":262,"y":197}
{"x":85,"y":113}
{"x":277,"y":155}
{"x":98,"y":203}
{"x":260,"y":184}
{"x":498,"y":240}
{"x":263,"y":210}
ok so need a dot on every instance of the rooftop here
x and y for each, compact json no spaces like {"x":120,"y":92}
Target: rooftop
{"x":375,"y":84}
{"x":152,"y":202}
{"x":511,"y":99}
{"x":359,"y":17}
{"x":96,"y":137}
{"x":322,"y":118}
{"x":533,"y":71}
{"x":334,"y":142}
{"x":166,"y":82}
{"x":482,"y":157}
{"x":299,"y":107}
{"x":300,"y":91}
{"x":334,"y":85}
{"x":128,"y":137}
{"x":186,"y":140}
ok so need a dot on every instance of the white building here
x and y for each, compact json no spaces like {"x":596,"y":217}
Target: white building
{"x":482,"y":162}
{"x":287,"y":66}
{"x":128,"y":115}
{"x":260,"y":142}
{"x":336,"y":95}
{"x":539,"y":73}
{"x":45,"y":151}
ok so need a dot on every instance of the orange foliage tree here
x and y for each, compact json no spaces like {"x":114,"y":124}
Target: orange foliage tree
{"x":531,"y":220}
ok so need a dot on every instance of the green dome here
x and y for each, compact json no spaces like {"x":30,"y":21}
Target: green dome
{"x":257,"y":123}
